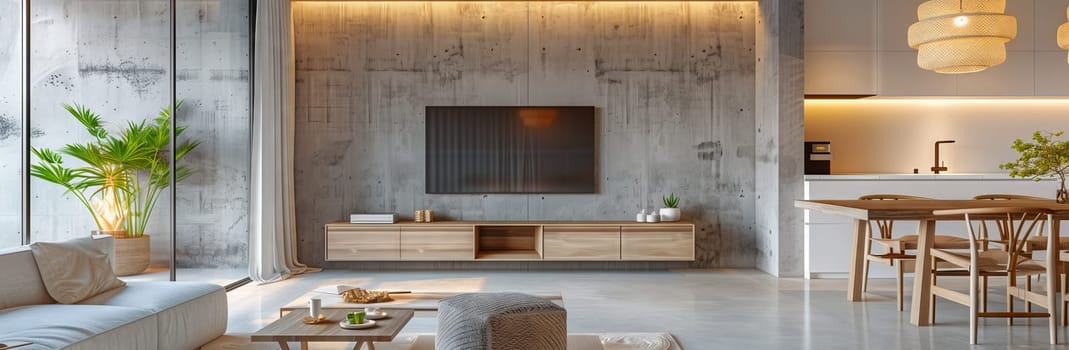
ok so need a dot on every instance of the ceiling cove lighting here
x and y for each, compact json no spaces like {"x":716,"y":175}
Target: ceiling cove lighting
{"x":961,"y":36}
{"x":1063,"y":33}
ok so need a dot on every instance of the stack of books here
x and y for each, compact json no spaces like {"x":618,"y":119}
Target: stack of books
{"x":372,"y":218}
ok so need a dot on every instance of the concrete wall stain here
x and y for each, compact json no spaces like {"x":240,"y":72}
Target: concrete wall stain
{"x":141,"y":76}
{"x":11,"y":128}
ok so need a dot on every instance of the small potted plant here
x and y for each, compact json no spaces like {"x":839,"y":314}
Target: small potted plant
{"x":121,"y":178}
{"x":1046,"y":157}
{"x":670,"y":212}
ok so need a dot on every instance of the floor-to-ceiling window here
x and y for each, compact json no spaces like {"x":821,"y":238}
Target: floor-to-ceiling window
{"x":113,"y":58}
{"x":10,"y":122}
{"x":213,"y":85}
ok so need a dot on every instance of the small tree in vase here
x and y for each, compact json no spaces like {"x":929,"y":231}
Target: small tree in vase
{"x":1047,"y":156}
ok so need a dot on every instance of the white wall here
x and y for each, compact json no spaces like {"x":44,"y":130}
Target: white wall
{"x":895,"y":136}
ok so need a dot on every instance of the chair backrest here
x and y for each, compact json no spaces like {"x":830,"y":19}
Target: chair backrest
{"x":1019,"y":223}
{"x":1004,"y":196}
{"x":889,"y":197}
{"x":886,"y":227}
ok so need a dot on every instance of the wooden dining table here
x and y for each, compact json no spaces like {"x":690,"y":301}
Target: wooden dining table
{"x":923,"y":211}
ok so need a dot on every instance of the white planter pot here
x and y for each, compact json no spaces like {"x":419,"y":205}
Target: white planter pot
{"x":669,"y":214}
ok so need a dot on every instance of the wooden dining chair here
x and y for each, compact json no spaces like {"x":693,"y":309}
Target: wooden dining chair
{"x":1009,"y":261}
{"x":1038,"y":241}
{"x":895,"y":248}
{"x":1063,"y":258}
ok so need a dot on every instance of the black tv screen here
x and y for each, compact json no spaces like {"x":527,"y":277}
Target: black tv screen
{"x":511,"y":150}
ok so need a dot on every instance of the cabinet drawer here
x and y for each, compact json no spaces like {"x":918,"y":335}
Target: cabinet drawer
{"x":437,"y":242}
{"x":347,"y":243}
{"x":657,"y":243}
{"x":581,"y":242}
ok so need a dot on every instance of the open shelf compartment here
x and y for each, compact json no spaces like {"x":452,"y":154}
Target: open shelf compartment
{"x":508,"y":242}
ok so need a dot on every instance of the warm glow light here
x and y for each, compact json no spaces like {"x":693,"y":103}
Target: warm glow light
{"x":1061,"y":102}
{"x":961,"y":36}
{"x":109,"y":212}
{"x":538,"y":117}
{"x":961,"y":21}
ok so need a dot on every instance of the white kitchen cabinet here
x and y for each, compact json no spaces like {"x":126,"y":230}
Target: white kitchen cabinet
{"x":1052,"y":70}
{"x":893,"y":22}
{"x":1015,"y":77}
{"x":840,"y":25}
{"x":828,"y":237}
{"x":840,"y":47}
{"x":841,"y":73}
{"x":1047,"y":22}
{"x":844,"y":38}
{"x":899,"y":75}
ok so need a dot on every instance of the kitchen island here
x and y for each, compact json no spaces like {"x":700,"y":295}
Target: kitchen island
{"x":827,"y":237}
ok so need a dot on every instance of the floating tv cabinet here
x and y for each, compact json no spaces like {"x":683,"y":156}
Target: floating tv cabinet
{"x":510,"y":241}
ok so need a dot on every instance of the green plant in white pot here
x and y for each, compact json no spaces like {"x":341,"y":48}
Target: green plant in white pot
{"x":670,"y":212}
{"x":1046,"y":157}
{"x":121,"y":180}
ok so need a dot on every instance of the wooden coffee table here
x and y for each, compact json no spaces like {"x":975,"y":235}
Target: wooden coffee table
{"x":291,"y":328}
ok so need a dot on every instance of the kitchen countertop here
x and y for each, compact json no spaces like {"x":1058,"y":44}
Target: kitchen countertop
{"x":917,"y":177}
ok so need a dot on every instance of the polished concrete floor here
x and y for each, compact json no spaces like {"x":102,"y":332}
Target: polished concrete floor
{"x":705,"y":309}
{"x":220,"y":276}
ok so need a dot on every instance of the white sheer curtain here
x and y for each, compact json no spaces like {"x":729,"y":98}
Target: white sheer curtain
{"x":272,"y":226}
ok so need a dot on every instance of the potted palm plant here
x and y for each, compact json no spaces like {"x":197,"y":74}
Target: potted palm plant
{"x":1046,"y":157}
{"x":122,"y":178}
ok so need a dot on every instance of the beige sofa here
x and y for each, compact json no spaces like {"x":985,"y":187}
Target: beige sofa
{"x":141,"y":316}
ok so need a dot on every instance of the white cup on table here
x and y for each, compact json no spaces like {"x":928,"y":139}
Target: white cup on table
{"x":315,"y":307}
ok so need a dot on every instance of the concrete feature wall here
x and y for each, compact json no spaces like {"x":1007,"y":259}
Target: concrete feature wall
{"x":673,"y":83}
{"x":779,"y":132}
{"x":113,"y":57}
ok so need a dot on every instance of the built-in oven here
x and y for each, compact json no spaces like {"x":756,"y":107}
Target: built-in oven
{"x":818,"y":158}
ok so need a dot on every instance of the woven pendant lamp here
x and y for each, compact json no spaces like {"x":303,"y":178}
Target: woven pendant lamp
{"x":961,"y":36}
{"x":1063,"y":33}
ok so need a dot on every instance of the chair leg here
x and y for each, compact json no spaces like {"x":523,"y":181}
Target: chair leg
{"x":932,"y":301}
{"x":1028,"y":287}
{"x":865,"y":271}
{"x":1009,"y":302}
{"x":865,"y":277}
{"x":1052,"y":319}
{"x":974,"y":303}
{"x":1065,"y":302}
{"x":983,"y":293}
{"x":901,"y":274}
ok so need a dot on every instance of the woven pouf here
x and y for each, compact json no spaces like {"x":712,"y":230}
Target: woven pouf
{"x":500,"y":321}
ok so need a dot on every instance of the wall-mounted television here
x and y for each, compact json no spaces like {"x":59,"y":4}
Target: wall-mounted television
{"x":474,"y":150}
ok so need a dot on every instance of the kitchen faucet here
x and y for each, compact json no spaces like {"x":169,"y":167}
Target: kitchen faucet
{"x":937,"y":168}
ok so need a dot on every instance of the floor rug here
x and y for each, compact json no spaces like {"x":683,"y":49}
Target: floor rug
{"x":604,"y":341}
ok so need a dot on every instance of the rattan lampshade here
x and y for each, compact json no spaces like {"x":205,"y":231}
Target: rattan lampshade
{"x":1063,"y":33}
{"x":961,"y":36}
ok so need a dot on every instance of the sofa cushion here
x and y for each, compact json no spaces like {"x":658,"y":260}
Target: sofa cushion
{"x":57,"y":326}
{"x":190,"y":314}
{"x":75,"y":269}
{"x":22,"y":283}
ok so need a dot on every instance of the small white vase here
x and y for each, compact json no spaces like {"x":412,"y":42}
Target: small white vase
{"x":669,"y":214}
{"x":653,"y":217}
